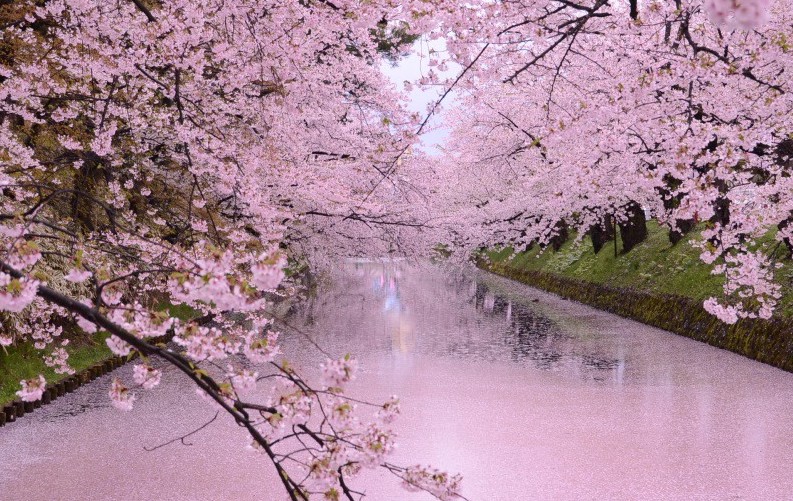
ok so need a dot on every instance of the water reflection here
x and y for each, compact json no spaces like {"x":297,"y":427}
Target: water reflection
{"x":487,"y":325}
{"x":527,"y":395}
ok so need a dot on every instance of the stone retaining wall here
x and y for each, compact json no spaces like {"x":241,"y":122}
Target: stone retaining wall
{"x":18,"y":408}
{"x":767,"y":341}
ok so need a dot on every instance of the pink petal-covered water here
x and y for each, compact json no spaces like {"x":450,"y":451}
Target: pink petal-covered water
{"x":529,"y":396}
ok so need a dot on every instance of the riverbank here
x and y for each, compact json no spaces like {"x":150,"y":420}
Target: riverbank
{"x":655,"y":283}
{"x":23,"y":361}
{"x":553,"y":401}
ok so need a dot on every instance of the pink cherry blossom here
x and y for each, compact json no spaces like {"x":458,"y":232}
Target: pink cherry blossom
{"x":146,"y":376}
{"x":337,"y":373}
{"x":244,"y":380}
{"x":438,"y":483}
{"x":16,"y":294}
{"x":77,"y":276}
{"x":120,"y":395}
{"x":269,"y":271}
{"x":389,"y":411}
{"x":32,"y":389}
{"x":86,"y":325}
{"x":118,"y":347}
{"x":260,"y":350}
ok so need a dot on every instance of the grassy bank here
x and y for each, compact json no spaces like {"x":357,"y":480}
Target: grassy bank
{"x":23,"y":361}
{"x":654,"y":266}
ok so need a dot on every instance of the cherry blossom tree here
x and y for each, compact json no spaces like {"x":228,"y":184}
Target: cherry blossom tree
{"x":580,"y":112}
{"x":182,"y":152}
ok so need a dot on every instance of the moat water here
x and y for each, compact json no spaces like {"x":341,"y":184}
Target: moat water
{"x":528,"y":395}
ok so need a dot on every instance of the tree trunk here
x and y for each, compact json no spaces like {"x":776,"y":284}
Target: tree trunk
{"x":786,"y":241}
{"x":721,"y":206}
{"x":560,"y":236}
{"x":601,"y":233}
{"x":634,"y":230}
{"x":784,"y":154}
{"x":671,"y":202}
{"x":683,"y":227}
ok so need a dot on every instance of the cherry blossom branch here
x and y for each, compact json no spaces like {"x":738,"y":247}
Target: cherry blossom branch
{"x":183,"y":437}
{"x":395,"y":162}
{"x":570,"y":32}
{"x":145,"y":10}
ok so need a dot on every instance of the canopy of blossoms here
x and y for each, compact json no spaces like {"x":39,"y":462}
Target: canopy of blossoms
{"x":577,"y":112}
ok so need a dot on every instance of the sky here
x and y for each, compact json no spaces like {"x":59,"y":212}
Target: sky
{"x":411,"y":68}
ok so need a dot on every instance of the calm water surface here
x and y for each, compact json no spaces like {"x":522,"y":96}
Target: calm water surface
{"x":529,"y":396}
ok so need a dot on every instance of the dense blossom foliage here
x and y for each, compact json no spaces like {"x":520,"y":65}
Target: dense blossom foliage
{"x":576,"y":113}
{"x":180,"y":152}
{"x":157,"y":152}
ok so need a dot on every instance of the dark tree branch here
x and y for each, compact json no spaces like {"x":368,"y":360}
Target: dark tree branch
{"x":202,"y":380}
{"x":146,"y":12}
{"x":424,"y":123}
{"x":181,"y":439}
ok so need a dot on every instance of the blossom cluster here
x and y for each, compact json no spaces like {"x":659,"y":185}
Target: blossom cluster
{"x":146,"y":376}
{"x":746,"y":14}
{"x":120,"y":395}
{"x":16,"y":294}
{"x":32,"y":389}
{"x":346,"y":441}
{"x":438,"y":483}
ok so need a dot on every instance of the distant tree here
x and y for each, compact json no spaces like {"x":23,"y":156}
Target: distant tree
{"x":577,"y":108}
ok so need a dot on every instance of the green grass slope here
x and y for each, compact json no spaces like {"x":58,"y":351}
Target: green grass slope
{"x":654,"y":266}
{"x":23,"y":361}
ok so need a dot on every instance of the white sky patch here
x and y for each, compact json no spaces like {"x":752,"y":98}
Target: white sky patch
{"x":415,"y":67}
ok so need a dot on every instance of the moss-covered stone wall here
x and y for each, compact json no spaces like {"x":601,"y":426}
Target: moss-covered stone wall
{"x":767,"y":341}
